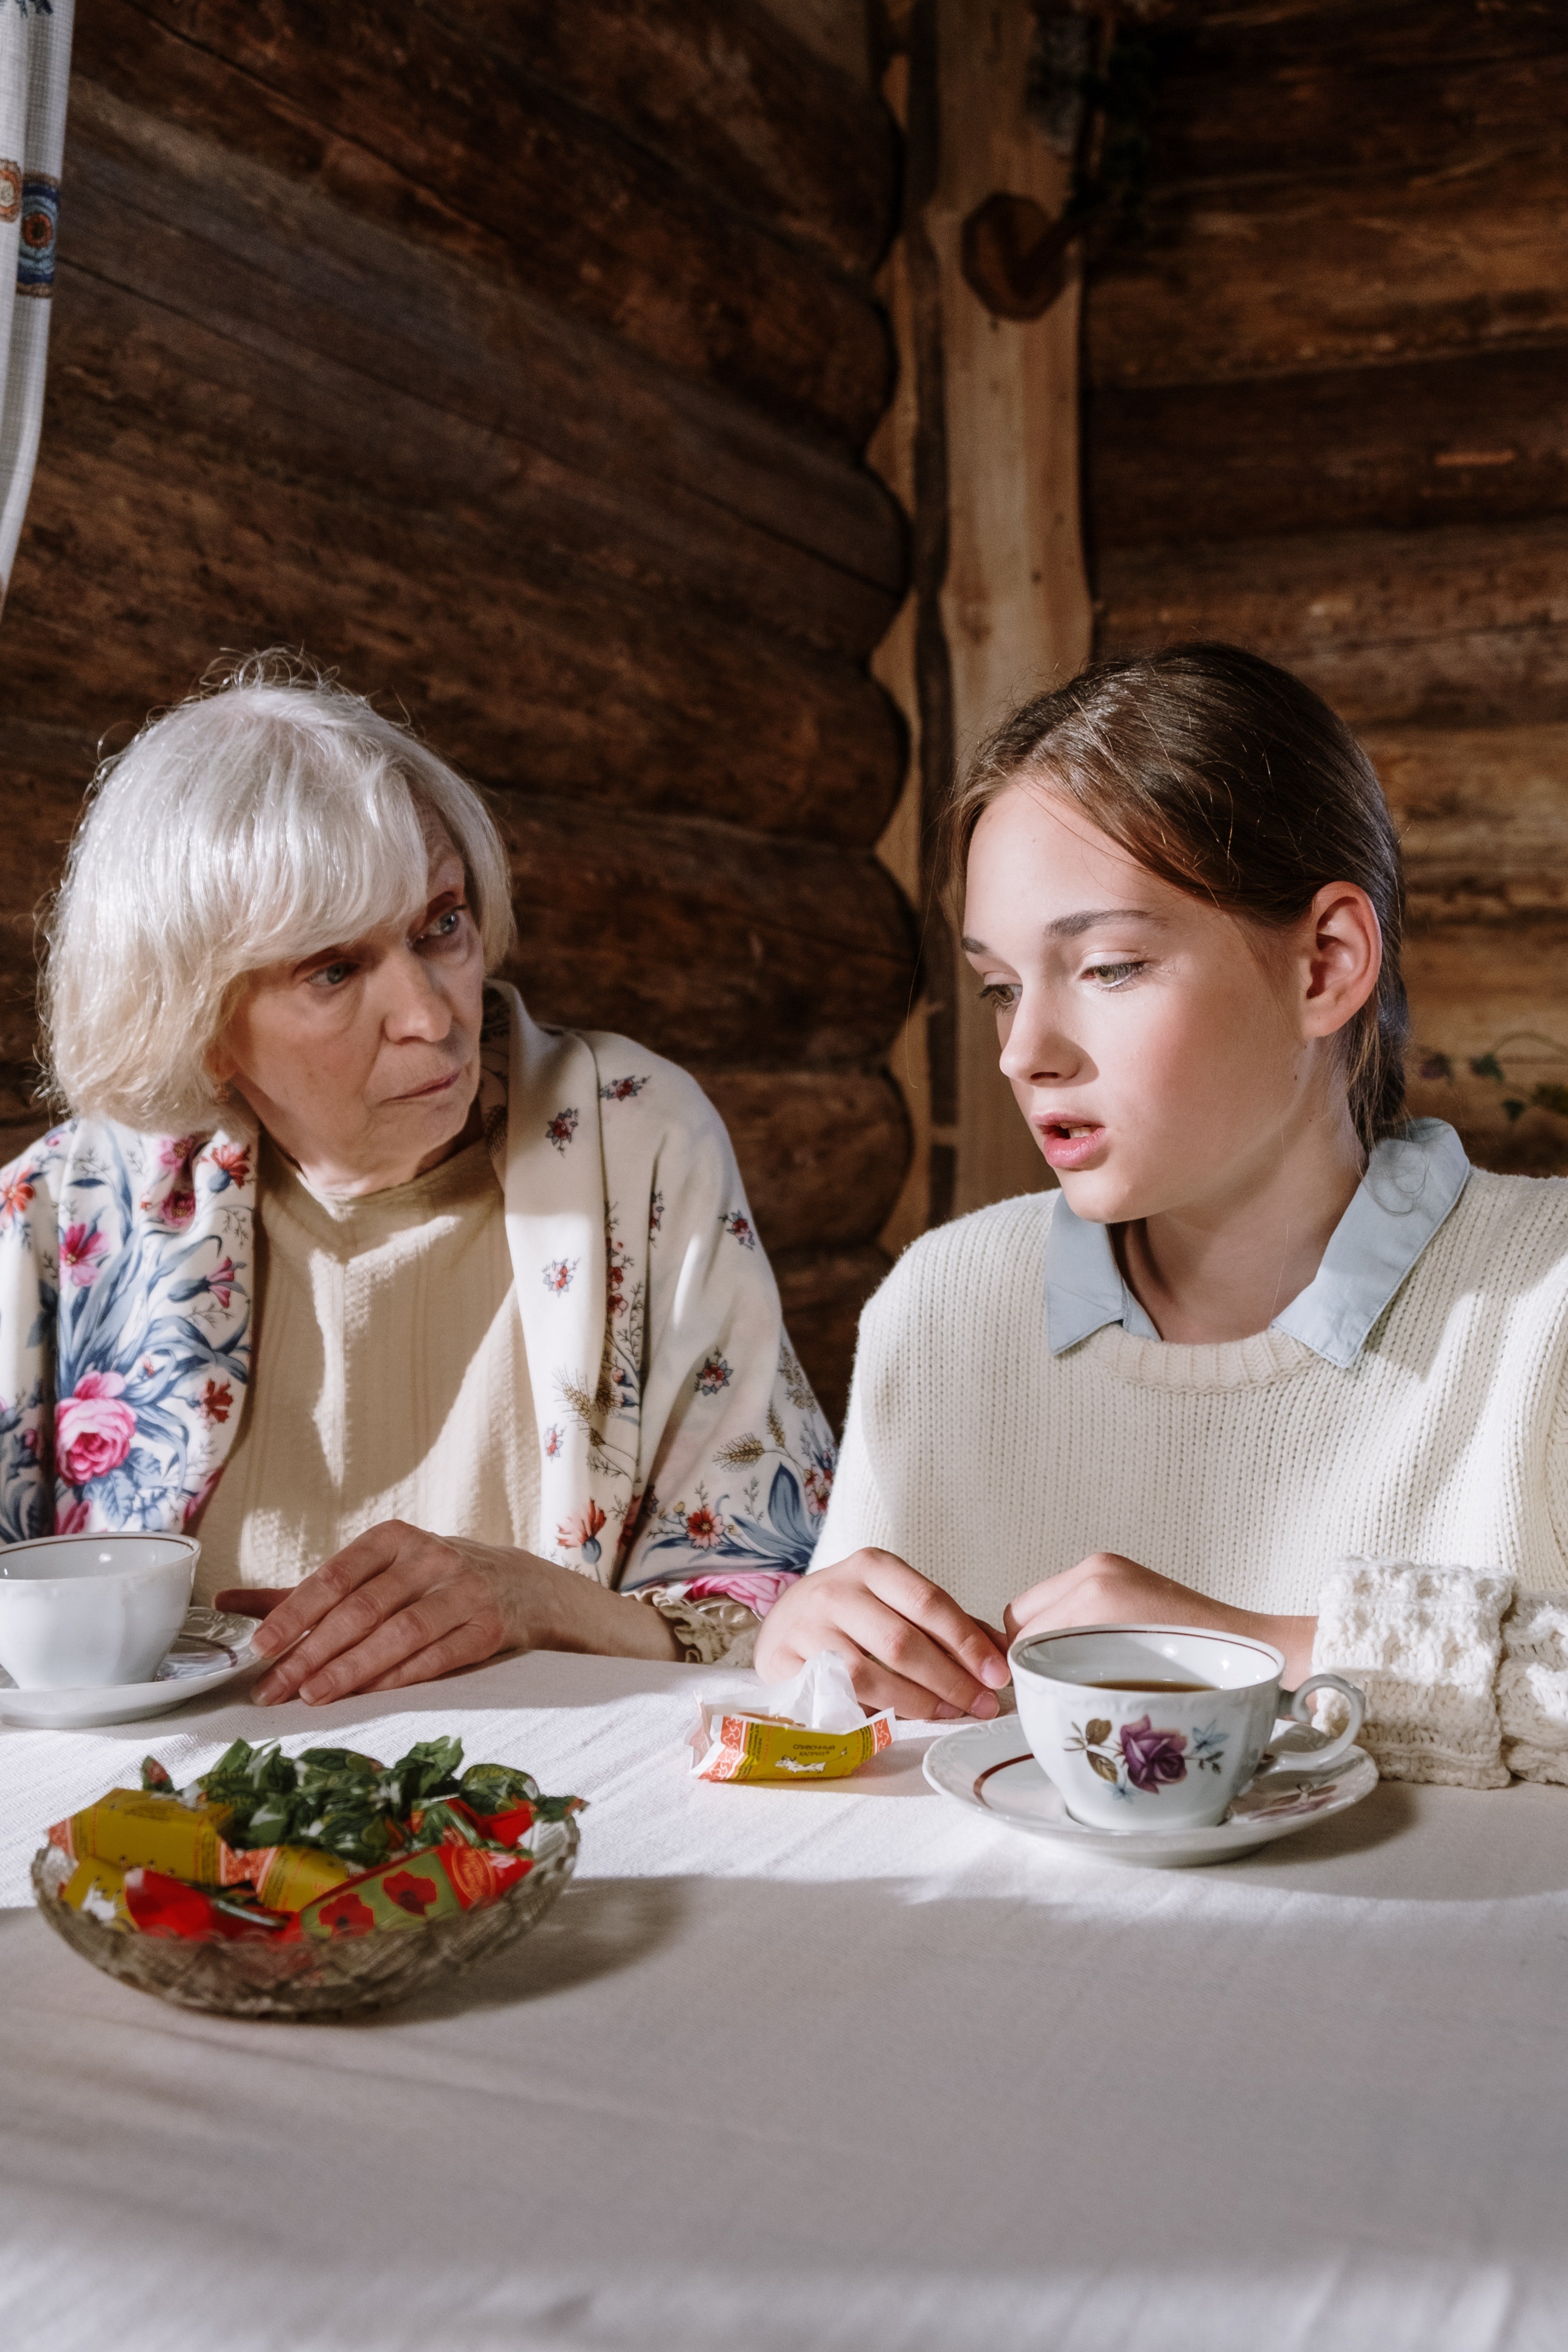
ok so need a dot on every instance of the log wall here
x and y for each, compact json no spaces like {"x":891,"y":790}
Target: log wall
{"x":1327,"y":414}
{"x":515,"y":357}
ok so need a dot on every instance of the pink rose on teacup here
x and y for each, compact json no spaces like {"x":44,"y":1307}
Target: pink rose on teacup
{"x":92,"y":1429}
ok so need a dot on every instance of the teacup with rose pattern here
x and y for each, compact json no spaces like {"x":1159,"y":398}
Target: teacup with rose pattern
{"x":1159,"y":1727}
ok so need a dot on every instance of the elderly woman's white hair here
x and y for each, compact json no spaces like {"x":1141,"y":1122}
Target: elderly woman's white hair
{"x":266,"y":818}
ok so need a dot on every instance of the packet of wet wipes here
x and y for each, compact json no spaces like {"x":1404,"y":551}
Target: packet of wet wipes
{"x":817,"y":1731}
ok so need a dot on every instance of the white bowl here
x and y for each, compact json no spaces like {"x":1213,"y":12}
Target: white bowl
{"x":78,"y":1612}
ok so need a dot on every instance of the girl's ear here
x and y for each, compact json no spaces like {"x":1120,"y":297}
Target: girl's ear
{"x":1341,"y":955}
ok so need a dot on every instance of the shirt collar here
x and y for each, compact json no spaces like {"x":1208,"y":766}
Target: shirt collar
{"x":1411,"y":1181}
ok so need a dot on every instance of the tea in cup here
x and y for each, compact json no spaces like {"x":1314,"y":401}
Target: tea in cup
{"x":80,"y":1612}
{"x":1159,"y":1727}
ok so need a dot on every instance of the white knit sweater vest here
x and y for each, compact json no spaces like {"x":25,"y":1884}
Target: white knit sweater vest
{"x":1244,"y":1470}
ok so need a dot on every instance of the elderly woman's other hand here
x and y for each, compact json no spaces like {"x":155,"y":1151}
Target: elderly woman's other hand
{"x":399,"y":1605}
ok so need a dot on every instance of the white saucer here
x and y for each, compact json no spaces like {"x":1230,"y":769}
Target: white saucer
{"x":989,"y":1767}
{"x":210,"y":1651}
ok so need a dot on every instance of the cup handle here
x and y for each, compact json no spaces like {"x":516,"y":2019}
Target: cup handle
{"x":1298,"y":1706}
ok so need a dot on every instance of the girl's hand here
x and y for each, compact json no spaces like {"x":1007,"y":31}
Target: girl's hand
{"x":909,"y":1646}
{"x":1107,"y":1590}
{"x":399,"y":1606}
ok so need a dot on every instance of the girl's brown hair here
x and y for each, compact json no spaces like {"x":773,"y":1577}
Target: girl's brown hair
{"x":1230,"y":779}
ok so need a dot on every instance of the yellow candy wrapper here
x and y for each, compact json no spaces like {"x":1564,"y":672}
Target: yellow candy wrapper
{"x":99,"y":1889}
{"x":135,"y":1830}
{"x":729,"y":1746}
{"x":816,"y":1730}
{"x":286,"y":1877}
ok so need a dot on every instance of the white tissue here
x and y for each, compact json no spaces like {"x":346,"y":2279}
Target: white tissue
{"x":821,"y":1696}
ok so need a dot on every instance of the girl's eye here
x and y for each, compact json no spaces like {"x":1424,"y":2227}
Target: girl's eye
{"x":1112,"y":975}
{"x":1002,"y":994}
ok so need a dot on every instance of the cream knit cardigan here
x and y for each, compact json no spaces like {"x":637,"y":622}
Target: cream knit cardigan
{"x":1256,"y":1471}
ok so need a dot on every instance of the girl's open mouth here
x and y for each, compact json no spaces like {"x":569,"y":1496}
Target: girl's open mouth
{"x":1069,"y":1143}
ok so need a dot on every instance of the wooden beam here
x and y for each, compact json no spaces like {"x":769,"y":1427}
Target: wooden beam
{"x":1275,"y":280}
{"x":1465,"y":626}
{"x":520,"y":670}
{"x":399,"y":118}
{"x":1482,"y":438}
{"x":727,"y":94}
{"x":127,"y":372}
{"x":710,"y":944}
{"x":249,"y":278}
{"x":1421,"y":88}
{"x":822,"y":1151}
{"x":1483,"y":818}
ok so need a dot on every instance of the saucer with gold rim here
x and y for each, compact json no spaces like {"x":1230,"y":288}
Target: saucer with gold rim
{"x":989,"y":1768}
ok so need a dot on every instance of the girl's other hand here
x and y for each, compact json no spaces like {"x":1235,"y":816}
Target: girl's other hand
{"x":1107,"y":1590}
{"x":909,"y":1646}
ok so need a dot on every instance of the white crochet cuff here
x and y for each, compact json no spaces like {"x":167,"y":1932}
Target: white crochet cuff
{"x":1424,"y":1645}
{"x":1532,"y":1687}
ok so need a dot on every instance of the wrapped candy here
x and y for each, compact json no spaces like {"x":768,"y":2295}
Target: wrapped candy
{"x":331,"y":1844}
{"x":820,"y":1732}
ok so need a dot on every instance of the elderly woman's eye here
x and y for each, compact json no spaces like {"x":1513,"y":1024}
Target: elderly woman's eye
{"x":331,"y":975}
{"x":446,"y":925}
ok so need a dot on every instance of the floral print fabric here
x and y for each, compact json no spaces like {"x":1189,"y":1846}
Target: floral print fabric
{"x":679,"y":1442}
{"x":124,"y":1325}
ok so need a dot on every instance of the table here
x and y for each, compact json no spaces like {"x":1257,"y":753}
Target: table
{"x":816,"y":2069}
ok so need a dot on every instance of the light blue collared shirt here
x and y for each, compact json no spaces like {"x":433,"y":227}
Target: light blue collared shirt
{"x":1411,"y":1183}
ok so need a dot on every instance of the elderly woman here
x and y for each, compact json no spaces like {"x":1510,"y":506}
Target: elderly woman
{"x":457,"y":1325}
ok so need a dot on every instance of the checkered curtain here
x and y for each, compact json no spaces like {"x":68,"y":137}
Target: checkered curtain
{"x":35,"y":64}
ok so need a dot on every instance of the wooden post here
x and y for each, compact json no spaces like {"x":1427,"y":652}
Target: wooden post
{"x":1001,"y":604}
{"x":1015,"y":602}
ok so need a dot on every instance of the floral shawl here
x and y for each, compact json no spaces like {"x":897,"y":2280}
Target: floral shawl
{"x":679,"y":1439}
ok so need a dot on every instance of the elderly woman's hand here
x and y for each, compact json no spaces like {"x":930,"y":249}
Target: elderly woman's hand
{"x":399,"y":1605}
{"x":909,"y":1646}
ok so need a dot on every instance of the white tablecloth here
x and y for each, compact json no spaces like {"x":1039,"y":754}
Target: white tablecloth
{"x":831,"y":2069}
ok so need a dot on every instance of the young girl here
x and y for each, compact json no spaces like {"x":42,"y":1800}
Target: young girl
{"x":1272,"y":1359}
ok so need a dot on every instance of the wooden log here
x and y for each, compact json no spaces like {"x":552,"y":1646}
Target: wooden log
{"x":1413,"y":88}
{"x":458,"y":381}
{"x":123,"y":364}
{"x":723,"y":91}
{"x":710,"y":944}
{"x":1492,"y":992}
{"x":1464,"y":627}
{"x":1479,"y":439}
{"x":546,"y":676}
{"x":1273,"y":281}
{"x":394,"y":114}
{"x":822,"y":1293}
{"x":1483,"y":818}
{"x":823,"y":1152}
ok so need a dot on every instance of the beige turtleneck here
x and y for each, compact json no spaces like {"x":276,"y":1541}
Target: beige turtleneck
{"x":389,"y":1377}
